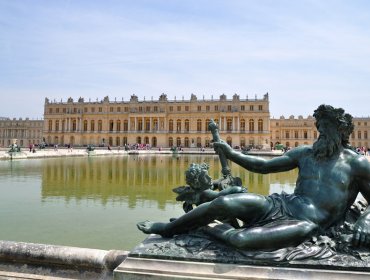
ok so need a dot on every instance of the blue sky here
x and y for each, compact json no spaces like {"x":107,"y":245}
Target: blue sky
{"x":304,"y":53}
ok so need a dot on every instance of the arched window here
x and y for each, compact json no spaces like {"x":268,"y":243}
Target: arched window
{"x":138,"y":140}
{"x":207,"y":142}
{"x":111,"y":125}
{"x":170,"y":125}
{"x":125,"y":125}
{"x":229,"y":124}
{"x":155,"y":125}
{"x":242,"y":142}
{"x":206,"y":124}
{"x":124,"y":142}
{"x":140,"y":125}
{"x":146,"y":140}
{"x":260,"y":125}
{"x":74,"y":125}
{"x":56,"y":125}
{"x":186,"y":142}
{"x":147,"y":126}
{"x":85,"y":125}
{"x":296,"y":144}
{"x":199,"y":125}
{"x":170,"y":142}
{"x":92,"y":125}
{"x":154,"y":141}
{"x":242,"y":125}
{"x":199,"y":142}
{"x":118,"y":141}
{"x":187,"y":125}
{"x":50,"y":126}
{"x":118,"y":126}
{"x":178,"y":141}
{"x":251,"y":125}
{"x":100,"y":125}
{"x":178,"y":125}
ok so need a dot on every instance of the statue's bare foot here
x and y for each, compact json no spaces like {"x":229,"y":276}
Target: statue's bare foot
{"x":153,"y":227}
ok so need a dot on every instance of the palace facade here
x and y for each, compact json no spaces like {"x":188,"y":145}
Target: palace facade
{"x":19,"y":131}
{"x":293,"y":132}
{"x":158,"y":123}
{"x":167,"y":123}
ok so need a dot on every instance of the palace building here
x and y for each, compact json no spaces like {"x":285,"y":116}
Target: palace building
{"x":293,"y":132}
{"x":158,"y":123}
{"x":19,"y":131}
{"x":166,"y":123}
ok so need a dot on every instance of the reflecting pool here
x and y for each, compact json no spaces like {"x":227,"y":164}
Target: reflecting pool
{"x":96,"y":202}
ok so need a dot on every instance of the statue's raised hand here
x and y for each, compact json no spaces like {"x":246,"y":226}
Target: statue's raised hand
{"x":223,"y":146}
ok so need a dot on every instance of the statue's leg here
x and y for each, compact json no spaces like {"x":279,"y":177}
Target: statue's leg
{"x":245,"y":206}
{"x":271,"y":236}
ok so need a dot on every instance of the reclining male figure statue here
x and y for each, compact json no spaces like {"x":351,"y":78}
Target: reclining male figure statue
{"x":330,"y":177}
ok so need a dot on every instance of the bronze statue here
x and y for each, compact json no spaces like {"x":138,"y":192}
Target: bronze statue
{"x":330,"y":177}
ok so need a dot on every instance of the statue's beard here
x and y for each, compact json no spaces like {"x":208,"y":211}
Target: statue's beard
{"x":326,"y":147}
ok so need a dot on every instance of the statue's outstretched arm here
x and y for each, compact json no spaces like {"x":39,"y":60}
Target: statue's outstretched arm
{"x":285,"y":162}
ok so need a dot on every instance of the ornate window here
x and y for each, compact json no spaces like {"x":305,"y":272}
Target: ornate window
{"x":206,"y":124}
{"x":229,"y":124}
{"x":147,"y":126}
{"x":187,"y":125}
{"x":100,"y":125}
{"x":199,"y":125}
{"x":140,"y":125}
{"x":242,"y":125}
{"x":125,"y":125}
{"x":251,"y":125}
{"x":186,"y":142}
{"x":111,"y":125}
{"x":260,"y":125}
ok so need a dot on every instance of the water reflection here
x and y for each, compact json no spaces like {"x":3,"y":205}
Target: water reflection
{"x":96,"y":202}
{"x":136,"y":178}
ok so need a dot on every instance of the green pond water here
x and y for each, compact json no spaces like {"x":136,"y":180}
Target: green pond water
{"x":96,"y":202}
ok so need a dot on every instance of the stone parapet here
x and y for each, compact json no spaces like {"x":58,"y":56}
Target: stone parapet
{"x":57,"y":261}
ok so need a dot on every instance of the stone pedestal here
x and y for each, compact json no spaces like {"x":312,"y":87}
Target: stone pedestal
{"x":155,"y":269}
{"x":196,"y":257}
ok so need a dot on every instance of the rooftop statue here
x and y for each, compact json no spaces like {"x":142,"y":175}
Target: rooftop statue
{"x":330,"y":177}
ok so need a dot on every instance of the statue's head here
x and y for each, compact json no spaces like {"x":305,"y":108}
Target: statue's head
{"x":335,"y":127}
{"x":197,"y":176}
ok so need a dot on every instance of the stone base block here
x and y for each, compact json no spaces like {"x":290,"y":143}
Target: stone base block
{"x":140,"y":268}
